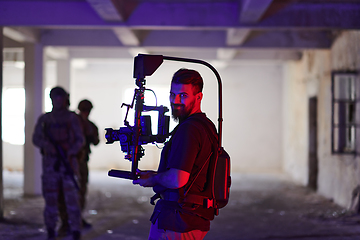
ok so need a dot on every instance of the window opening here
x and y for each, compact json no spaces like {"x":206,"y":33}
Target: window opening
{"x":345,"y":95}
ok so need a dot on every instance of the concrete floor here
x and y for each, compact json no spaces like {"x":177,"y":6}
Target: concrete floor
{"x":261,"y":207}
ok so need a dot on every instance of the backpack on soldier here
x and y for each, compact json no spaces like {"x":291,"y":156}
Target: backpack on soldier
{"x":217,"y":190}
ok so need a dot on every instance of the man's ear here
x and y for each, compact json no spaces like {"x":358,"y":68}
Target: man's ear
{"x":199,"y":96}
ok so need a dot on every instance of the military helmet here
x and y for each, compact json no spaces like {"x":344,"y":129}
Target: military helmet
{"x":85,"y":105}
{"x":58,"y":91}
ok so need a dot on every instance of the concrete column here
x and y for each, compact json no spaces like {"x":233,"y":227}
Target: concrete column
{"x":1,"y":148}
{"x":34,"y":95}
{"x":63,"y":73}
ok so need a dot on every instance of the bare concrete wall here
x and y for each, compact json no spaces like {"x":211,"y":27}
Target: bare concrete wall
{"x":253,"y":116}
{"x":252,"y":95}
{"x":294,"y":124}
{"x":302,"y":81}
{"x":338,"y":174}
{"x":251,"y":100}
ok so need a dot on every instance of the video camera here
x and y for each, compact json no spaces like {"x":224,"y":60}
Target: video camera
{"x":126,"y":134}
{"x":133,"y":137}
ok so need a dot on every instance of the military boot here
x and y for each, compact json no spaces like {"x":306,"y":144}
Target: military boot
{"x":51,"y":234}
{"x":76,"y":235}
{"x":64,"y":230}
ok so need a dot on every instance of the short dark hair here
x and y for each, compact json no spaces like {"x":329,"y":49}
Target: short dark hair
{"x":85,"y":106}
{"x":57,"y":91}
{"x":189,"y":76}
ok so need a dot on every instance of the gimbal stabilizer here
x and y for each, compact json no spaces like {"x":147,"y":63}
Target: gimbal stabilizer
{"x":132,"y":137}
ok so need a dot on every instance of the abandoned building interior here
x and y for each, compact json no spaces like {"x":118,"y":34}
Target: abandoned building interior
{"x":289,"y":69}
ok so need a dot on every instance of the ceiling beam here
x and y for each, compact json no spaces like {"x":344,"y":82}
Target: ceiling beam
{"x":197,"y":39}
{"x":57,"y":52}
{"x":106,"y":10}
{"x":236,"y":37}
{"x":126,"y":36}
{"x":290,"y":39}
{"x":21,"y":35}
{"x":80,"y":37}
{"x":268,"y":54}
{"x":252,"y":11}
{"x":109,"y":12}
{"x":210,"y":54}
{"x":180,"y":15}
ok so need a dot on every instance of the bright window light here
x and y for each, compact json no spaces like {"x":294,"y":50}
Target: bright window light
{"x":13,"y":110}
{"x":47,"y":100}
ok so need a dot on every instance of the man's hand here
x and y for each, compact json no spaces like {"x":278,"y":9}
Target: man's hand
{"x":172,"y":178}
{"x":146,"y":178}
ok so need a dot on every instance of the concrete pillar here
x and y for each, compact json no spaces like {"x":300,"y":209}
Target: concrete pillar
{"x":34,"y":95}
{"x":63,"y":73}
{"x":1,"y":148}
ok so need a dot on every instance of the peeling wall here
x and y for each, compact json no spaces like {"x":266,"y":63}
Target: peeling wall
{"x":295,"y":128}
{"x":339,"y":174}
{"x":302,"y":80}
{"x":311,"y":76}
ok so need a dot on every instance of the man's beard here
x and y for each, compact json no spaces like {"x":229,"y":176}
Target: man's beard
{"x":180,"y":112}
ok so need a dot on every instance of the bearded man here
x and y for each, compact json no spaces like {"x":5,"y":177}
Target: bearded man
{"x":183,"y":165}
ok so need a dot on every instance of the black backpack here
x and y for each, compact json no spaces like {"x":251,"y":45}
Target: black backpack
{"x":217,"y":189}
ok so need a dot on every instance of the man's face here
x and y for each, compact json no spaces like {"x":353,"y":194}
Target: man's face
{"x":183,"y":100}
{"x":85,"y":113}
{"x":59,"y":101}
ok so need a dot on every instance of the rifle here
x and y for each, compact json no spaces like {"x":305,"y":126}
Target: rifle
{"x":62,"y":157}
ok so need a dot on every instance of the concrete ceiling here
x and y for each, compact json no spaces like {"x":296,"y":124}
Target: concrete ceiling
{"x":224,"y":30}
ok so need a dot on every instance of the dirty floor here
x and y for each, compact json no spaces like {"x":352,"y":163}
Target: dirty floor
{"x":261,"y":206}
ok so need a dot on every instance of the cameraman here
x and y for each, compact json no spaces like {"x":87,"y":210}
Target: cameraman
{"x":184,"y":158}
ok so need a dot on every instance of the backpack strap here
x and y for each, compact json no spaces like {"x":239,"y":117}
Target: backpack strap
{"x":183,"y":194}
{"x":195,"y":198}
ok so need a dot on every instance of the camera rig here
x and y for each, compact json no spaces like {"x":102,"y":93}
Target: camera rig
{"x":133,"y":137}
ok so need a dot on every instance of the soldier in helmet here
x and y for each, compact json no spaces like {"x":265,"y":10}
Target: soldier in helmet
{"x":59,"y":136}
{"x":91,"y":135}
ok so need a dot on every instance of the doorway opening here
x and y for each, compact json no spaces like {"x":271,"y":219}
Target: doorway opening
{"x":313,"y":159}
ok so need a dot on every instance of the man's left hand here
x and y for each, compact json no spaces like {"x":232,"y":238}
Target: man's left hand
{"x":146,"y":178}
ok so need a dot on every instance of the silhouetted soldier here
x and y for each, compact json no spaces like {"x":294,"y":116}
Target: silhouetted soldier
{"x":91,"y":137}
{"x":59,"y":136}
{"x":91,"y":134}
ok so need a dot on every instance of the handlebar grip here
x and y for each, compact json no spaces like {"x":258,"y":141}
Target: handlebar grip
{"x":122,"y":174}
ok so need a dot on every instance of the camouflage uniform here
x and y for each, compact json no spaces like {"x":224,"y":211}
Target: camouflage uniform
{"x":91,"y":133}
{"x":64,"y":129}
